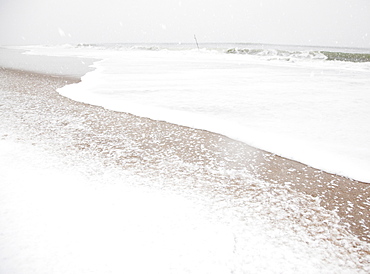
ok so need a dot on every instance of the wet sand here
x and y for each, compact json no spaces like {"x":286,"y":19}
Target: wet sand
{"x":35,"y":113}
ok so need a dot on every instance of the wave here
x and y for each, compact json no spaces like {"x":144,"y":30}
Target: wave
{"x":120,"y":47}
{"x":152,"y":48}
{"x":85,"y":45}
{"x":282,"y":54}
{"x":347,"y":57}
{"x":294,"y":55}
{"x":276,"y":54}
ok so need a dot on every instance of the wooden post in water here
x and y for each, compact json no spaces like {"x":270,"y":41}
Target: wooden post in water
{"x":196,"y":41}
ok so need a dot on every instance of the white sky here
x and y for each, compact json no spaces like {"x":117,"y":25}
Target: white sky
{"x":303,"y":22}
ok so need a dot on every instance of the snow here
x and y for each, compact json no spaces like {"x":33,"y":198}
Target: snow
{"x":61,"y":32}
{"x":55,"y":219}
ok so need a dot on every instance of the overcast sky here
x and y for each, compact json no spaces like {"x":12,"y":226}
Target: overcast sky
{"x":299,"y":22}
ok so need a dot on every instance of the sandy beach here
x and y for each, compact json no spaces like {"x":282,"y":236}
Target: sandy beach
{"x":33,"y":112}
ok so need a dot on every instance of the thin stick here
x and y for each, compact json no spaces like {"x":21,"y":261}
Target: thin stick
{"x":196,"y":41}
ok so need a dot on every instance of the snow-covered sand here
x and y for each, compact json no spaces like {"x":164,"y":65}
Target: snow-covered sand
{"x":89,"y":190}
{"x":55,"y":220}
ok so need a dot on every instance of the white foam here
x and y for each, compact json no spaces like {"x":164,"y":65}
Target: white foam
{"x":315,"y":112}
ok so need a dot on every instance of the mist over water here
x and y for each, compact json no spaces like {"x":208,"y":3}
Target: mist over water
{"x":331,"y":23}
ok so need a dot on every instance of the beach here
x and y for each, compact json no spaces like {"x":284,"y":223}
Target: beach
{"x":291,"y":194}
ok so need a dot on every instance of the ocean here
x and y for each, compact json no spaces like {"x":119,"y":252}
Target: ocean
{"x":309,"y":104}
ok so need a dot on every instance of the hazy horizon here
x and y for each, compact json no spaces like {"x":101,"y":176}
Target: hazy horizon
{"x":192,"y":43}
{"x":286,"y":22}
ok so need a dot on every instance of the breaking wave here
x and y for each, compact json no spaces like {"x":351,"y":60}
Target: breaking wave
{"x":347,"y":57}
{"x":85,"y":45}
{"x":154,"y":48}
{"x":281,"y":53}
{"x":120,"y":46}
{"x":294,"y":55}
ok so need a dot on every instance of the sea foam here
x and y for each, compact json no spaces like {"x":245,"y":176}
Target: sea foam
{"x":308,"y":109}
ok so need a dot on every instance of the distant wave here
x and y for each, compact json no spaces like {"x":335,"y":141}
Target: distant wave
{"x":154,"y":48}
{"x":270,"y":54}
{"x":347,"y":57}
{"x":84,"y":45}
{"x":278,"y":54}
{"x":120,"y":46}
{"x":293,"y":55}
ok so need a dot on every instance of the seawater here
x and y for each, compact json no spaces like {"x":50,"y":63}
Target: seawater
{"x":309,"y":104}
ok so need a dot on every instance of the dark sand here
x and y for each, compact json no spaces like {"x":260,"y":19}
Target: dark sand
{"x":35,"y":113}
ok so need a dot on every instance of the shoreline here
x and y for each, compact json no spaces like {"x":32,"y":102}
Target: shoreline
{"x":34,"y":113}
{"x":348,"y":198}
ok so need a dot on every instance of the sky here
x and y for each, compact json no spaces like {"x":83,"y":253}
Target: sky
{"x":292,"y":22}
